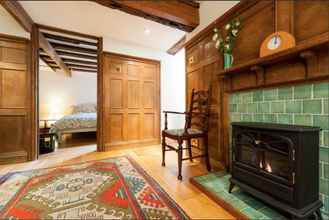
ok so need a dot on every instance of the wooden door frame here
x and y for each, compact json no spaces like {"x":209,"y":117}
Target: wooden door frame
{"x":34,"y":68}
{"x":100,"y":90}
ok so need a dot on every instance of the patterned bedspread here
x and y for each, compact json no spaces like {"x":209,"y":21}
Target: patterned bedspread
{"x":75,"y":121}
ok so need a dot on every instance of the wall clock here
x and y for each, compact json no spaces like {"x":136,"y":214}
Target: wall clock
{"x":278,"y":41}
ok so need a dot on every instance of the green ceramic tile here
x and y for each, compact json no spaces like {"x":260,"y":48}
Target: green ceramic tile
{"x":233,"y":107}
{"x":242,"y":108}
{"x":263,"y":107}
{"x":277,"y":107}
{"x":252,"y":213}
{"x":326,"y":138}
{"x":312,"y":106}
{"x":255,"y":203}
{"x":324,"y":186}
{"x":325,"y":215}
{"x":285,"y":118}
{"x":258,"y":117}
{"x":321,"y":165}
{"x":293,"y":106}
{"x":235,"y":117}
{"x":303,"y":92}
{"x":252,"y":108}
{"x":325,"y":106}
{"x":258,"y":96}
{"x":324,"y":154}
{"x":247,"y":97}
{"x":270,"y":118}
{"x":321,"y":90}
{"x":247,"y":117}
{"x":321,"y":121}
{"x":271,"y":213}
{"x":270,"y":95}
{"x":326,"y":205}
{"x":302,"y":119}
{"x":326,"y":171}
{"x":285,"y":93}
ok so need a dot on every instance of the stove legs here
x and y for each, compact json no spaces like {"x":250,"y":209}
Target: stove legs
{"x":231,"y":187}
{"x":318,"y":214}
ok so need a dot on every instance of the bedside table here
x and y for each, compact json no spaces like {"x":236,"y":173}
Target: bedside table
{"x":47,"y":141}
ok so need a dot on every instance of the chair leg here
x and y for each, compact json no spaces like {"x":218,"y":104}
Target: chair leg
{"x":163,"y":151}
{"x":207,"y":153}
{"x":189,"y":149}
{"x":180,"y":158}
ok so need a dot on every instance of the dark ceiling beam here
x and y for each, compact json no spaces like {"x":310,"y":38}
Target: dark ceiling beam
{"x":85,"y":70}
{"x":48,"y":63}
{"x":20,"y":15}
{"x":177,"y":46}
{"x":48,"y":48}
{"x":68,"y":40}
{"x":81,"y":66}
{"x":74,"y":61}
{"x":65,"y":47}
{"x":179,"y":14}
{"x":76,"y":55}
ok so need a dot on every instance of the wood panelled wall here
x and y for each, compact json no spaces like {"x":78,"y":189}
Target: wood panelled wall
{"x":305,"y":19}
{"x":15,"y":100}
{"x":131,"y":101}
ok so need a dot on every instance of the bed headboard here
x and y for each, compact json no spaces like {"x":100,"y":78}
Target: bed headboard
{"x":82,"y":108}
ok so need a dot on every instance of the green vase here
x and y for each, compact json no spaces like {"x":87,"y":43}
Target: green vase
{"x":228,"y":60}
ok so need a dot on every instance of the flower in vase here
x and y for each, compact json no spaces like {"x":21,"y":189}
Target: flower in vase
{"x":235,"y":32}
{"x":228,"y":26}
{"x":215,"y":37}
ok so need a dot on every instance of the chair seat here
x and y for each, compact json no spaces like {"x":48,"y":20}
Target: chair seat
{"x":191,"y":132}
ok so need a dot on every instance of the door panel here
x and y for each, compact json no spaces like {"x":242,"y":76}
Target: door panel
{"x":15,"y":90}
{"x":131,"y":101}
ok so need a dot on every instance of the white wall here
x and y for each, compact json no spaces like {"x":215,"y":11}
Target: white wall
{"x":58,"y":92}
{"x":9,"y":26}
{"x":172,"y":75}
{"x":209,"y":11}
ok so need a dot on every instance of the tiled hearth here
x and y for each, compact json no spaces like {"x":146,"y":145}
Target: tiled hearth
{"x":301,"y":105}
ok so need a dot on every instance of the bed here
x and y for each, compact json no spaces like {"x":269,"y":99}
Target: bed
{"x":82,"y":118}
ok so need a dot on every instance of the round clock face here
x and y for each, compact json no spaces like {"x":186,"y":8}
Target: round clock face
{"x":274,"y":42}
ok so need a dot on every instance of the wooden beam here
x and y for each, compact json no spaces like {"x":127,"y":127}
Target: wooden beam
{"x":69,"y":40}
{"x":19,"y":14}
{"x":46,"y":46}
{"x":180,"y":14}
{"x":74,"y":61}
{"x":59,"y":46}
{"x":177,"y":46}
{"x":85,"y":70}
{"x":48,"y":63}
{"x":82,"y":56}
{"x":81,"y":66}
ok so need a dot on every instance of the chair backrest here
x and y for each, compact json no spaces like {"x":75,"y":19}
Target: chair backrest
{"x":199,"y":110}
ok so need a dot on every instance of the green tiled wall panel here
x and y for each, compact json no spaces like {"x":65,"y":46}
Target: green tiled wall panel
{"x":303,"y":105}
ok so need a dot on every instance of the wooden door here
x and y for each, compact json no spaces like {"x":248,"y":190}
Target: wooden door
{"x":15,"y":99}
{"x":131,"y":101}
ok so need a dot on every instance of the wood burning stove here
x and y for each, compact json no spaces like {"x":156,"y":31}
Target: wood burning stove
{"x":278,"y":164}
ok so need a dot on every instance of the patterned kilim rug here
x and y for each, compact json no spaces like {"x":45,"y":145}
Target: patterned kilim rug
{"x":238,"y":203}
{"x":114,"y":188}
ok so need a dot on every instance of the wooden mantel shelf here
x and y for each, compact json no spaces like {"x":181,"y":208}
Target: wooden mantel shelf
{"x":304,"y":50}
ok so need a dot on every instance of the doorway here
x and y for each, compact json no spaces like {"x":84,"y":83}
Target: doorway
{"x":67,"y":106}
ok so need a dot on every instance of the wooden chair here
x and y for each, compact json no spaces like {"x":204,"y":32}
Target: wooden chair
{"x":196,"y":126}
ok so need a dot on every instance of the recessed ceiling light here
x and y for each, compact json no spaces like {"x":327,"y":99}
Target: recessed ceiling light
{"x":147,"y":31}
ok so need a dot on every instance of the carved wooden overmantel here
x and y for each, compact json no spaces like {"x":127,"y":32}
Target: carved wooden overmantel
{"x":305,"y":62}
{"x":308,"y":21}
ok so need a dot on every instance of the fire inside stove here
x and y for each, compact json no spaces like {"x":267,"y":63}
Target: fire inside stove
{"x":267,"y":167}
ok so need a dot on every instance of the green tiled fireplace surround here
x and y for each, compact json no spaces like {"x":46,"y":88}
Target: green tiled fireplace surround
{"x":300,"y":105}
